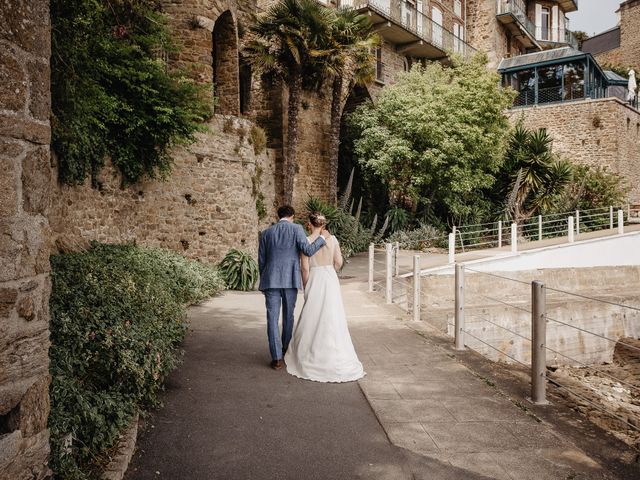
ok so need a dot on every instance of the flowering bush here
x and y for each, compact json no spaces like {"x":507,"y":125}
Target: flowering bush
{"x":118,"y":315}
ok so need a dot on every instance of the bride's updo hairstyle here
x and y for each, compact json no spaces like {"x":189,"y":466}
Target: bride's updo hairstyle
{"x":317,"y":219}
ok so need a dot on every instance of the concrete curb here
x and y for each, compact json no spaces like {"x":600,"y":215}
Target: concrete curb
{"x":119,"y":463}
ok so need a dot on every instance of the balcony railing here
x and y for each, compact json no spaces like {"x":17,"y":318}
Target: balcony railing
{"x":405,"y":14}
{"x":518,"y":9}
{"x":556,"y":35}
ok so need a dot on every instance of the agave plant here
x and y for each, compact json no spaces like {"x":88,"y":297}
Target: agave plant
{"x":240,"y":270}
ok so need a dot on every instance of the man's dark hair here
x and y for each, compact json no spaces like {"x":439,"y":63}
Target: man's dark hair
{"x":286,"y":211}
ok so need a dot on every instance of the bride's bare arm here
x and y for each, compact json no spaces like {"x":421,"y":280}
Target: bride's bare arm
{"x":304,"y":267}
{"x":337,"y":256}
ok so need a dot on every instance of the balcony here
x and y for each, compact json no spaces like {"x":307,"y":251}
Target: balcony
{"x":568,"y":5}
{"x":556,"y":37}
{"x":513,"y":15}
{"x":413,"y":33}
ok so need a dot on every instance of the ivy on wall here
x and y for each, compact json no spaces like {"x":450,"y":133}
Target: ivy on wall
{"x":112,"y":92}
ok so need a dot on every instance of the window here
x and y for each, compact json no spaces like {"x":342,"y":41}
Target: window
{"x":457,"y":8}
{"x":458,"y":38}
{"x":419,"y":18}
{"x":545,"y":23}
{"x":573,"y":81}
{"x":524,"y":83}
{"x":408,"y":12}
{"x":550,"y":84}
{"x":436,"y":35}
{"x":379,"y":65}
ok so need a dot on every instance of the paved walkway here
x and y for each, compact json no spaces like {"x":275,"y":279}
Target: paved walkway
{"x":425,"y":416}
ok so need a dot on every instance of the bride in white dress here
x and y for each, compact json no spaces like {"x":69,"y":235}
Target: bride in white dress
{"x":321,"y":348}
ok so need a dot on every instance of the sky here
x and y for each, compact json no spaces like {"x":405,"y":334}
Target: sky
{"x":594,"y":16}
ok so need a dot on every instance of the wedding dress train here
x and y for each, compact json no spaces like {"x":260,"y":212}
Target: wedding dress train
{"x":321,"y":347}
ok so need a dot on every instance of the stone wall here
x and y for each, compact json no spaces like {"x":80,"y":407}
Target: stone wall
{"x":486,"y":34}
{"x":24,"y":231}
{"x":206,"y":207}
{"x":629,"y":55}
{"x":604,"y":132}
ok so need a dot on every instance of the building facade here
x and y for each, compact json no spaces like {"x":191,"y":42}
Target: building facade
{"x":619,"y":46}
{"x":507,"y":28}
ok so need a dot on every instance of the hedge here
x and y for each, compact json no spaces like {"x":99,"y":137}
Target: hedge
{"x":118,"y":316}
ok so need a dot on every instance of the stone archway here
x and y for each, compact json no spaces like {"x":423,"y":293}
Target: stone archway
{"x":225,"y":65}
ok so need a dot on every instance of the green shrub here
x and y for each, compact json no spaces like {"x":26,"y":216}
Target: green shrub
{"x":112,"y":93}
{"x":117,"y":319}
{"x":421,"y":238}
{"x":353,"y":237}
{"x":239,"y":270}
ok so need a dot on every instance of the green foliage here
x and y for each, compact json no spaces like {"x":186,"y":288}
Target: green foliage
{"x":240,"y":270}
{"x":353,"y":237}
{"x":437,"y":137}
{"x":590,"y":188}
{"x":420,"y":238}
{"x":398,"y":218}
{"x":532,"y":176}
{"x":112,"y":94}
{"x":117,"y":319}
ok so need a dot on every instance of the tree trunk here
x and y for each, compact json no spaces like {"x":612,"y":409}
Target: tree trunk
{"x":334,"y":138}
{"x":290,"y":157}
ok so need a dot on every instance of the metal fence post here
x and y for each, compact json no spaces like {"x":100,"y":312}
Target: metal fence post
{"x":570,"y":229}
{"x":611,"y":217}
{"x":620,"y":222}
{"x":539,"y":227}
{"x":577,"y":222}
{"x":538,"y":344}
{"x":389,"y":273}
{"x":452,"y":247}
{"x":514,"y":237}
{"x":396,"y":249}
{"x":459,"y":306}
{"x":499,"y":233}
{"x":416,"y":287}
{"x":371,"y":265}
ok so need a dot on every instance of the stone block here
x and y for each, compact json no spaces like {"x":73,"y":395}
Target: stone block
{"x":9,"y":448}
{"x":36,"y":181}
{"x":10,"y":148}
{"x":34,"y":408}
{"x":25,"y":129}
{"x":26,"y":23}
{"x":13,"y":83}
{"x":24,"y":357}
{"x":8,"y":187}
{"x":40,"y":93}
{"x":8,"y":297}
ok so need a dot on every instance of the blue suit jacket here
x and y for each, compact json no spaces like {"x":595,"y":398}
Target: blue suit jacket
{"x":279,"y":255}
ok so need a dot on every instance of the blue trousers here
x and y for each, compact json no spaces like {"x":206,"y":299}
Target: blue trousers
{"x":274,"y":298}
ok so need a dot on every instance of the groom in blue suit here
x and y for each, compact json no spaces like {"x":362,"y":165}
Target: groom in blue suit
{"x":280,"y":276}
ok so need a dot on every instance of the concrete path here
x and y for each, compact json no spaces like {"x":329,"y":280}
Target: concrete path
{"x":228,"y":416}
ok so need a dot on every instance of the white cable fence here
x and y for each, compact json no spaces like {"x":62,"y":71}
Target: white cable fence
{"x":537,"y":327}
{"x":386,"y":261}
{"x":542,"y":227}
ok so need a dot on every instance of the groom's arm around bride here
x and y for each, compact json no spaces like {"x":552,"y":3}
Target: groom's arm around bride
{"x":280,"y":276}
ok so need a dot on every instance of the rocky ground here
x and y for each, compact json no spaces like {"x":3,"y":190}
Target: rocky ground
{"x":609,"y":395}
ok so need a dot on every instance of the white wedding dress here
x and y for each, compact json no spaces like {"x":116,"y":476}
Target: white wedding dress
{"x":321,"y":348}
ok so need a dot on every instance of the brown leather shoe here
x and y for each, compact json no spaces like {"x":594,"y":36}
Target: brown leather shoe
{"x":277,"y":364}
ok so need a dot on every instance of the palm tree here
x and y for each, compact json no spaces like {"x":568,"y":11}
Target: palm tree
{"x":351,"y":60}
{"x":538,"y":175}
{"x":285,"y":46}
